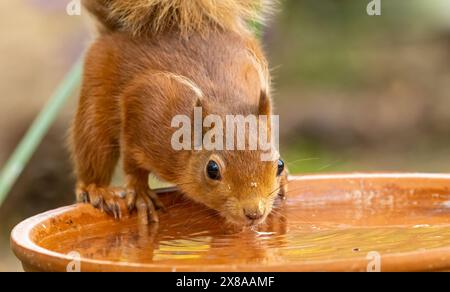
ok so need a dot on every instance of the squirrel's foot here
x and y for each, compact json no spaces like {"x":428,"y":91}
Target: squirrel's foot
{"x":107,"y":199}
{"x":146,"y":202}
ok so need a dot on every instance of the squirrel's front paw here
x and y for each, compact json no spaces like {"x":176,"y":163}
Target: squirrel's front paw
{"x":146,"y":202}
{"x":107,"y":199}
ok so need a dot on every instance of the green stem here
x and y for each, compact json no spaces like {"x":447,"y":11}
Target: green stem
{"x":32,"y":139}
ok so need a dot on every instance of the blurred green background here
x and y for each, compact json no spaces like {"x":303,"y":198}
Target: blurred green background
{"x":354,"y":92}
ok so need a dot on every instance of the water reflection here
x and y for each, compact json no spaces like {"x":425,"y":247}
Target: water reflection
{"x":318,"y":223}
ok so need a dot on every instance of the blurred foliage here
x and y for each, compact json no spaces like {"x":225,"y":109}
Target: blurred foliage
{"x":326,"y":40}
{"x":342,"y":67}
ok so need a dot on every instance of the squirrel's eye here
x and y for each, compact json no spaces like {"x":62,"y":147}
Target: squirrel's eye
{"x":213,"y":170}
{"x":280,"y":167}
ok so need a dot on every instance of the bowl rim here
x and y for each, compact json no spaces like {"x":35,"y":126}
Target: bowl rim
{"x":25,"y":249}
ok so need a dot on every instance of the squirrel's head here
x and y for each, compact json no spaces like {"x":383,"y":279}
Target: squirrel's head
{"x":238,"y":184}
{"x":241,"y":184}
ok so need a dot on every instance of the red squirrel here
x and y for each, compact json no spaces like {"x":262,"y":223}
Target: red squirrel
{"x":157,"y":59}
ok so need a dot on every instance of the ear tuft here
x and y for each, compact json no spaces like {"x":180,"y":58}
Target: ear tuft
{"x":199,"y":103}
{"x":203,"y":105}
{"x":265,"y":104}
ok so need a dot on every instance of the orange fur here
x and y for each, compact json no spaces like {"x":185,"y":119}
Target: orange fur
{"x":133,"y":87}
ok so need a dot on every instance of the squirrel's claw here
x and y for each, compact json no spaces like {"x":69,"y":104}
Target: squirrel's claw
{"x":146,"y":203}
{"x":108,"y":200}
{"x":82,"y":196}
{"x":116,"y":202}
{"x":146,"y":210}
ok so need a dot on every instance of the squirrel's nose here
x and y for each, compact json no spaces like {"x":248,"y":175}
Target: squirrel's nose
{"x":252,"y":215}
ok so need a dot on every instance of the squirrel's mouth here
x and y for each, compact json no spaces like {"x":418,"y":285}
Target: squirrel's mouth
{"x":244,"y":219}
{"x":255,"y":222}
{"x":245,"y":222}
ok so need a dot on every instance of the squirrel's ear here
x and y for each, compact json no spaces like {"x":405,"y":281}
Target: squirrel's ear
{"x":265,"y":104}
{"x":198,"y":131}
{"x":200,"y":103}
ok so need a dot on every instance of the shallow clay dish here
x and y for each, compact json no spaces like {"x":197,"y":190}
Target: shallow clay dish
{"x":344,"y":222}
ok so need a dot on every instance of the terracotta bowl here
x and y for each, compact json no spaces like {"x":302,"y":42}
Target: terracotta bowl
{"x":342,"y":222}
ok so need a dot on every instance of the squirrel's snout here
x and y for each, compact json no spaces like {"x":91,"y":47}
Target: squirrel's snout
{"x":253,"y":214}
{"x":248,"y":213}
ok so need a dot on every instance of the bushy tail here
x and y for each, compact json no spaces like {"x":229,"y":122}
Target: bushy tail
{"x":140,"y":17}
